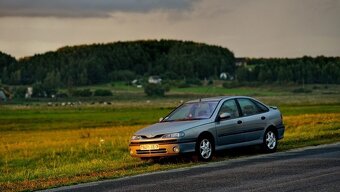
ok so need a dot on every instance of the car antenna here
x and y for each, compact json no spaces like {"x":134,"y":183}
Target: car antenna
{"x":208,"y":88}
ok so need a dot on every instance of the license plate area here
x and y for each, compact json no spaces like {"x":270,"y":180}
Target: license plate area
{"x":149,"y":147}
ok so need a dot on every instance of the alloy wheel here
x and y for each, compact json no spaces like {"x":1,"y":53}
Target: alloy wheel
{"x":205,"y":148}
{"x":270,"y":140}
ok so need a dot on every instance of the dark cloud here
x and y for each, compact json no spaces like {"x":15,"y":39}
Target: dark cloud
{"x":85,"y":8}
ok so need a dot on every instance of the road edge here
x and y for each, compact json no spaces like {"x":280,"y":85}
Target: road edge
{"x":208,"y":164}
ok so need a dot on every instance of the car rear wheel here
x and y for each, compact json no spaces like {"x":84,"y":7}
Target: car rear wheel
{"x":270,"y":141}
{"x":204,"y":148}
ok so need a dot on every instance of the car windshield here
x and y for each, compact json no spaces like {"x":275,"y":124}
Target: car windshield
{"x":193,"y":111}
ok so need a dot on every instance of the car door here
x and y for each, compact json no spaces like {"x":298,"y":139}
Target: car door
{"x":227,"y":130}
{"x":253,"y":119}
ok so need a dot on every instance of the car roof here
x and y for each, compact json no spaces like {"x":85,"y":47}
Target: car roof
{"x":219,"y":98}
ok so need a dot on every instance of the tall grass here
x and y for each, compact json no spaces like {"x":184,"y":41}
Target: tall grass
{"x":42,"y":147}
{"x":42,"y":158}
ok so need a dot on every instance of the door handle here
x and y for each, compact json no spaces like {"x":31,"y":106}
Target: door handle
{"x":263,"y":117}
{"x":239,"y":122}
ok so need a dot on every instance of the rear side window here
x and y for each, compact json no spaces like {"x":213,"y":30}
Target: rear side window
{"x":261,"y":107}
{"x":248,"y":107}
{"x":251,"y":107}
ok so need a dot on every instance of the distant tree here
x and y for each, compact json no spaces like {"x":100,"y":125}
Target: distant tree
{"x":41,"y":90}
{"x":170,"y":59}
{"x":52,"y":80}
{"x":102,"y":92}
{"x":81,"y":93}
{"x":284,"y":74}
{"x":122,"y":75}
{"x":242,"y":74}
{"x":123,"y":61}
{"x":155,"y":90}
{"x":264,"y":75}
{"x":83,"y":78}
{"x":15,"y":78}
{"x":20,"y":92}
{"x":4,"y":76}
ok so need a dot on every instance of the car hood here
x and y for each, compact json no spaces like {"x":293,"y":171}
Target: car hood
{"x":170,"y":127}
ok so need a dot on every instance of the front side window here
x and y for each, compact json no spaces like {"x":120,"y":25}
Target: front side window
{"x":193,"y":111}
{"x":247,"y":107}
{"x":229,"y":107}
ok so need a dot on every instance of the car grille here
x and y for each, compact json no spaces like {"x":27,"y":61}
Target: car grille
{"x":154,"y":142}
{"x":152,"y":137}
{"x":154,"y":151}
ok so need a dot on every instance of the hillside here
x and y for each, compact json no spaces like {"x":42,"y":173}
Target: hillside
{"x":101,"y":63}
{"x":170,"y":59}
{"x":7,"y":63}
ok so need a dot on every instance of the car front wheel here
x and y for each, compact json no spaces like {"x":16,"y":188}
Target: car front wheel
{"x":204,"y":148}
{"x":270,"y":141}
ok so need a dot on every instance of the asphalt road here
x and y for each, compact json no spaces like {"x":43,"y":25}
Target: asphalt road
{"x":308,"y":169}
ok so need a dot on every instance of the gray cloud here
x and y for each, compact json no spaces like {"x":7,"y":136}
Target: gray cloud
{"x":85,"y":8}
{"x":252,"y":28}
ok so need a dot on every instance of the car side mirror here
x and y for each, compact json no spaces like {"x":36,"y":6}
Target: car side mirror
{"x":224,"y":116}
{"x":161,"y":119}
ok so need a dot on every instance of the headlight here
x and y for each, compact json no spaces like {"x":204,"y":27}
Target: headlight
{"x":173,"y":135}
{"x":136,"y":137}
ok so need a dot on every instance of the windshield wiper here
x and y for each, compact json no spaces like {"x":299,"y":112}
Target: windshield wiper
{"x":186,"y":119}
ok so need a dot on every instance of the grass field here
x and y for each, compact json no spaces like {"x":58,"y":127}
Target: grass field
{"x":43,"y":147}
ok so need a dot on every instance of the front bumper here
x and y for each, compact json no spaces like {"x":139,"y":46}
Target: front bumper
{"x":166,"y":148}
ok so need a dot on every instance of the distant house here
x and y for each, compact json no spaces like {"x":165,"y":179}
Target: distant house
{"x":223,"y":76}
{"x":29,"y":92}
{"x":241,"y":61}
{"x":137,"y":83}
{"x":2,"y":96}
{"x":155,"y":80}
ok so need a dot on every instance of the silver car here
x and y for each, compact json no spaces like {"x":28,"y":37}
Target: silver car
{"x":206,"y":125}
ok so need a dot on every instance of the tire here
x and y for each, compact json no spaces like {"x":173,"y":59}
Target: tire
{"x":270,"y":141}
{"x":205,"y":148}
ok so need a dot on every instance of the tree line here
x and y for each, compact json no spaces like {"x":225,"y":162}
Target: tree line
{"x":120,"y":61}
{"x":323,"y":70}
{"x":170,"y":59}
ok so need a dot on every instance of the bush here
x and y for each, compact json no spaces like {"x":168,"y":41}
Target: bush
{"x":82,"y":93}
{"x":122,"y":75}
{"x":102,"y":92}
{"x":166,"y":87}
{"x":301,"y":90}
{"x":189,"y":83}
{"x":20,"y":92}
{"x":61,"y":95}
{"x":155,"y":90}
{"x":183,"y":85}
{"x":193,"y":81}
{"x":41,"y":90}
{"x":230,"y":85}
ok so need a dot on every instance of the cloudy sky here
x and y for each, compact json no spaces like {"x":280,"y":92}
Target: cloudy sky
{"x":252,"y":28}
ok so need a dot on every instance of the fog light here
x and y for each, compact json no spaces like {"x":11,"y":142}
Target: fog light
{"x":131,"y":152}
{"x":176,"y":149}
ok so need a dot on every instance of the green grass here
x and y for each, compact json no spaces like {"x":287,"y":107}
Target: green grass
{"x":208,"y":90}
{"x":43,"y":118}
{"x":43,"y":147}
{"x":309,"y":109}
{"x":56,"y":118}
